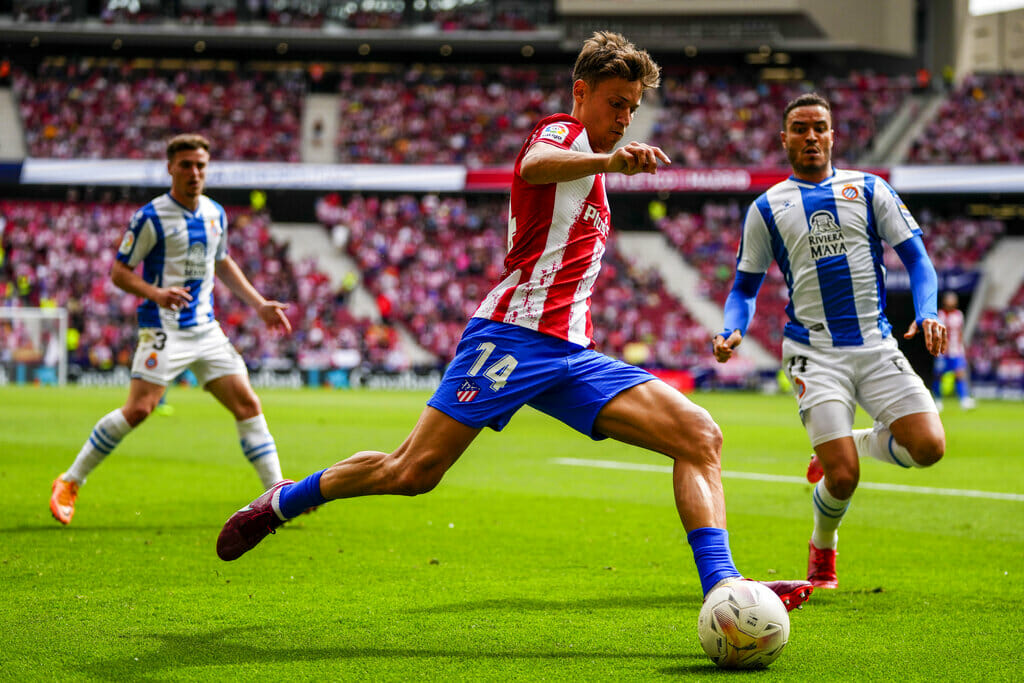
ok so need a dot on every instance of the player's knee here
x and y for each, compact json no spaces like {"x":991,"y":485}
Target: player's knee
{"x":928,"y":451}
{"x":247,"y":407}
{"x":135,"y":414}
{"x":842,"y":483}
{"x":703,"y":443}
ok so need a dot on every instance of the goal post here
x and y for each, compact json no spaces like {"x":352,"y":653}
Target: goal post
{"x":33,"y":346}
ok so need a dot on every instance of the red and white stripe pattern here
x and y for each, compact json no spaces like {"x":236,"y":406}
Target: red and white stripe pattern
{"x":467,"y":392}
{"x":556,"y":234}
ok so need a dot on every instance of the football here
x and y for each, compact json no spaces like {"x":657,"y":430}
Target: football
{"x":743,"y":625}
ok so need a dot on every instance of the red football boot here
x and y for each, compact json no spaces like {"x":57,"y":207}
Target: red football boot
{"x":821,"y":567}
{"x":814,"y":470}
{"x":251,"y":524}
{"x":792,"y":593}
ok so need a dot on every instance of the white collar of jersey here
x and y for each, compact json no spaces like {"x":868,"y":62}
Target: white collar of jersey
{"x":807,"y":183}
{"x":185,"y":208}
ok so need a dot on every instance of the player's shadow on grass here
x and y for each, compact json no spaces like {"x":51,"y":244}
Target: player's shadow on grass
{"x":526,"y":604}
{"x":240,"y":646}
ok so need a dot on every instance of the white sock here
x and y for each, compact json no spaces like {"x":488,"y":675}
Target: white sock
{"x":879,"y":443}
{"x":105,"y":437}
{"x":259,"y":448}
{"x":828,"y":515}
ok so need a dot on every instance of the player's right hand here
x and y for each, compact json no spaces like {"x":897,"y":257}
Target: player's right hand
{"x":724,"y":347}
{"x":636,"y":157}
{"x":174,"y":298}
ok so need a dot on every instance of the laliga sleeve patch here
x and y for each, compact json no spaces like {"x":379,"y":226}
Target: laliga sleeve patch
{"x":127,"y":243}
{"x":556,"y":132}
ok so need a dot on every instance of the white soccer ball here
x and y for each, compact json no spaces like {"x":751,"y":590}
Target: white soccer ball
{"x":743,"y":625}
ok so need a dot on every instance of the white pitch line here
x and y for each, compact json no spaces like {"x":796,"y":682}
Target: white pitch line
{"x":924,"y":490}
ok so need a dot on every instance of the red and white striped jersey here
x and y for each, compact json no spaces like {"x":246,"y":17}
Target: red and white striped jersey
{"x":556,"y":238}
{"x":954,"y":322}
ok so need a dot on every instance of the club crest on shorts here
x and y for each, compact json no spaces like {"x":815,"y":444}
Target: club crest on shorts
{"x":151,"y":361}
{"x":467,"y":392}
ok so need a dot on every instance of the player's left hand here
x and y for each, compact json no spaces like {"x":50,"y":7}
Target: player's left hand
{"x":723,"y":348}
{"x":936,"y":339}
{"x":272,"y":313}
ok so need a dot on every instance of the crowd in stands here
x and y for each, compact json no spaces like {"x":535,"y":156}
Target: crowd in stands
{"x":431,"y":260}
{"x":473,"y":115}
{"x":980,"y":122}
{"x":996,"y":353}
{"x":481,"y":15}
{"x":61,"y":253}
{"x":128,"y":109}
{"x":723,"y":118}
{"x":708,"y":240}
{"x":468,"y":115}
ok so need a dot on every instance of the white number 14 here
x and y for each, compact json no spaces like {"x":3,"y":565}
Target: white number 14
{"x":498,"y":371}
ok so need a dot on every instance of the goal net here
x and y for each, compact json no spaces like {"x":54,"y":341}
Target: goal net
{"x":33,"y":346}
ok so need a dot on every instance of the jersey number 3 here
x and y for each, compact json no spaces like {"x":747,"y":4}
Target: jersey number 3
{"x":498,"y":371}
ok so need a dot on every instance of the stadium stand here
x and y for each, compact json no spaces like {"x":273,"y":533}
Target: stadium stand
{"x":980,"y":122}
{"x":996,"y":352}
{"x":127,"y":109}
{"x":726,"y":118}
{"x":475,"y":115}
{"x":468,"y":115}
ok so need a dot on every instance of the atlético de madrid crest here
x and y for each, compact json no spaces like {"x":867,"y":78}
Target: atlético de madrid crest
{"x":467,"y":392}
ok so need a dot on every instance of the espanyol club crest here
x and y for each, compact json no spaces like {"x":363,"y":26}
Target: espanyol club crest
{"x":151,"y":361}
{"x":850,"y":192}
{"x":467,"y":392}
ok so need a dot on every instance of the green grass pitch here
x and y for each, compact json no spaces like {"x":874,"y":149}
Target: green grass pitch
{"x":514,"y":568}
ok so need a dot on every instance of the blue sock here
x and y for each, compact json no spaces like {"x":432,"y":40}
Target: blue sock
{"x":961,"y":389}
{"x":301,"y":496}
{"x":712,"y":556}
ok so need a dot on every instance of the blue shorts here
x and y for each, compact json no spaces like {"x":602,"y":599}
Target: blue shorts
{"x":944,"y":364}
{"x":498,"y":368}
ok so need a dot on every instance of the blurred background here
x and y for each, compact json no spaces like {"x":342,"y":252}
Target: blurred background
{"x":363,"y":150}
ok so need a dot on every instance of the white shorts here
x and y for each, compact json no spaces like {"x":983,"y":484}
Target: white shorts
{"x":162,"y":355}
{"x":877,"y":377}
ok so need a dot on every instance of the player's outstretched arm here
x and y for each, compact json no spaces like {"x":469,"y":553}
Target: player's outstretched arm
{"x":166,"y":297}
{"x":270,"y":312}
{"x":546,"y":163}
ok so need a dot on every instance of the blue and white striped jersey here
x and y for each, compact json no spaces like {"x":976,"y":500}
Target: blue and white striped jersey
{"x":178,"y":248}
{"x":827,"y":240}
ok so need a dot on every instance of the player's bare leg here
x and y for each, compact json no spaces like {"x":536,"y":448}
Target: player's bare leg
{"x":831,"y":498}
{"x":416,"y":467}
{"x":106,"y":435}
{"x":655,"y":416}
{"x":915,"y":440}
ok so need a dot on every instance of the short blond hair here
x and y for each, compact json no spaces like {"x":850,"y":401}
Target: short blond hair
{"x":610,"y":55}
{"x":186,"y":141}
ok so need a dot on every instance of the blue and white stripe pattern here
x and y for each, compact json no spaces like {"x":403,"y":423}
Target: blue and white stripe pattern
{"x":254,"y":452}
{"x":823,"y":507}
{"x":102,"y":440}
{"x":827,"y":239}
{"x":178,"y":248}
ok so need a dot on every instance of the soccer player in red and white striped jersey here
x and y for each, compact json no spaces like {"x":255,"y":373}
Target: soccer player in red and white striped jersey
{"x":530,"y":341}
